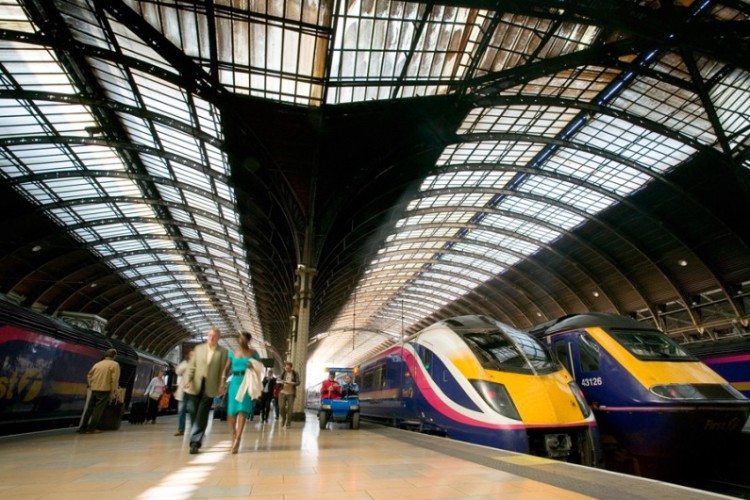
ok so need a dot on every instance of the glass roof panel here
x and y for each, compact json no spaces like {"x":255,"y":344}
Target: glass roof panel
{"x":552,"y":214}
{"x":628,"y":140}
{"x":535,"y":120}
{"x":130,"y":242}
{"x":671,"y":106}
{"x":585,"y":83}
{"x":462,"y":200}
{"x":566,"y":193}
{"x":542,"y":233}
{"x":12,"y":17}
{"x":518,"y":39}
{"x":508,"y":152}
{"x":731,"y":98}
{"x":33,"y":68}
{"x":611,"y":175}
{"x":473,"y":178}
{"x":505,"y":242}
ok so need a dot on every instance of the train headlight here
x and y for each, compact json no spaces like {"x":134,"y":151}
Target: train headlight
{"x":497,"y":397}
{"x":580,"y":399}
{"x":697,"y":391}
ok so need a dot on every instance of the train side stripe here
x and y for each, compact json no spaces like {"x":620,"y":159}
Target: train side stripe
{"x":10,"y":333}
{"x":739,"y":358}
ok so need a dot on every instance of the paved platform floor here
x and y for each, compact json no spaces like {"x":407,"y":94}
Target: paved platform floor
{"x":148,"y":462}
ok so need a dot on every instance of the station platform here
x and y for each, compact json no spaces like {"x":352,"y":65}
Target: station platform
{"x":147,"y":462}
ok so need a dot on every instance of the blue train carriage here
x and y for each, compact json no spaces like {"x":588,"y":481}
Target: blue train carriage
{"x":477,"y":380}
{"x":43,"y":367}
{"x":658,"y":407}
{"x":729,"y":357}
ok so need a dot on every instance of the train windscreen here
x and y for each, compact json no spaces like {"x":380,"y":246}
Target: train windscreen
{"x":511,"y":351}
{"x":651,"y":345}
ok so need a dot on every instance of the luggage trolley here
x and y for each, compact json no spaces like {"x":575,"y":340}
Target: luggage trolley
{"x":345,"y":409}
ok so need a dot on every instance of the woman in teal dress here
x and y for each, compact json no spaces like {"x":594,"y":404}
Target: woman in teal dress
{"x":239,"y":411}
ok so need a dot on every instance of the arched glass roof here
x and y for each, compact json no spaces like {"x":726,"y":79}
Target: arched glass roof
{"x":119,"y":123}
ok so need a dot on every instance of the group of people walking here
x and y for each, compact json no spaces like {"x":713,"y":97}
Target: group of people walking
{"x":205,"y":378}
{"x":202,"y":376}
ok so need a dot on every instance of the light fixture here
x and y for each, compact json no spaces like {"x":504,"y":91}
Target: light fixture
{"x":682,"y":262}
{"x":539,"y":314}
{"x":595,"y":293}
{"x":36,"y":248}
{"x":93,"y":285}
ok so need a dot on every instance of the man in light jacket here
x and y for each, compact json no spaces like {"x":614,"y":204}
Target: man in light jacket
{"x":102,"y":380}
{"x":205,"y":378}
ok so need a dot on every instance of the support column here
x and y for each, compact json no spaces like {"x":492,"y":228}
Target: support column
{"x":301,"y":336}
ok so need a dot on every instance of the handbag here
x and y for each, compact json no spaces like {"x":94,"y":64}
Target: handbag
{"x":154,"y":396}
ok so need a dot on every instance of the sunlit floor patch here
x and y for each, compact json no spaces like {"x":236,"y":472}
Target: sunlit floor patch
{"x":185,"y":482}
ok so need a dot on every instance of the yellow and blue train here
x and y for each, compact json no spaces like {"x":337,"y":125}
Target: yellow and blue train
{"x":475,"y":379}
{"x":658,"y":407}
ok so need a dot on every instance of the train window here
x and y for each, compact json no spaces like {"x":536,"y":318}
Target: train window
{"x":380,"y":378}
{"x":510,"y":351}
{"x":589,"y":353}
{"x":561,"y":351}
{"x":367,"y":379}
{"x":427,"y":359}
{"x":651,"y":345}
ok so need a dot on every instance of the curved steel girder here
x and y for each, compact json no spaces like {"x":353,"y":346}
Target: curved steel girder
{"x":613,"y":157}
{"x":623,"y":276}
{"x":146,"y":325}
{"x":144,"y":334}
{"x":553,"y":250}
{"x":165,"y":237}
{"x":194,"y":78}
{"x":630,"y":205}
{"x":496,"y":230}
{"x":582,"y":214}
{"x":60,"y":283}
{"x":591,"y":108}
{"x":124,"y":303}
{"x":496,"y":277}
{"x":97,"y":174}
{"x":103,"y":102}
{"x":115,"y":144}
{"x":507,"y":298}
{"x":708,"y":105}
{"x":125,"y":330}
{"x":607,"y":54}
{"x":425,"y":296}
{"x":155,"y":334}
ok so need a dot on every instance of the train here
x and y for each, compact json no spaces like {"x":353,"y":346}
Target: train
{"x":660,"y":409}
{"x":475,"y":379}
{"x":43,"y":366}
{"x":729,"y":357}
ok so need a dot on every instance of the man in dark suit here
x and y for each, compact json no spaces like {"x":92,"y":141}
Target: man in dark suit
{"x":269,"y":381}
{"x":205,"y":378}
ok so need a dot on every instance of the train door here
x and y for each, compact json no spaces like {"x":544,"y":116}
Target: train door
{"x":422,"y":409}
{"x":581,"y":356}
{"x":562,"y":350}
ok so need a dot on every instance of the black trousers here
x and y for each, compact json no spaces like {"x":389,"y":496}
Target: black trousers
{"x":94,"y":410}
{"x":265,"y":405}
{"x":200,"y":407}
{"x":152,"y":409}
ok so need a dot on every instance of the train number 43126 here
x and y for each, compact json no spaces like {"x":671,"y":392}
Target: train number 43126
{"x":591,"y":381}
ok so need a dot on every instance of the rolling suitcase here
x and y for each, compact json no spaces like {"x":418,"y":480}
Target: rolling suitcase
{"x":137,"y":412}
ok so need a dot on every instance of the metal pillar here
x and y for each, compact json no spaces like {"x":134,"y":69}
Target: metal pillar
{"x":300,"y":337}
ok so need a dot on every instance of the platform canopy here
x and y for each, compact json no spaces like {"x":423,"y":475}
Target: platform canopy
{"x":167,"y":165}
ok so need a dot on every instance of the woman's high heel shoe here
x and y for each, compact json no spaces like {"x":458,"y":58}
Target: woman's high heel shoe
{"x":235,"y":446}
